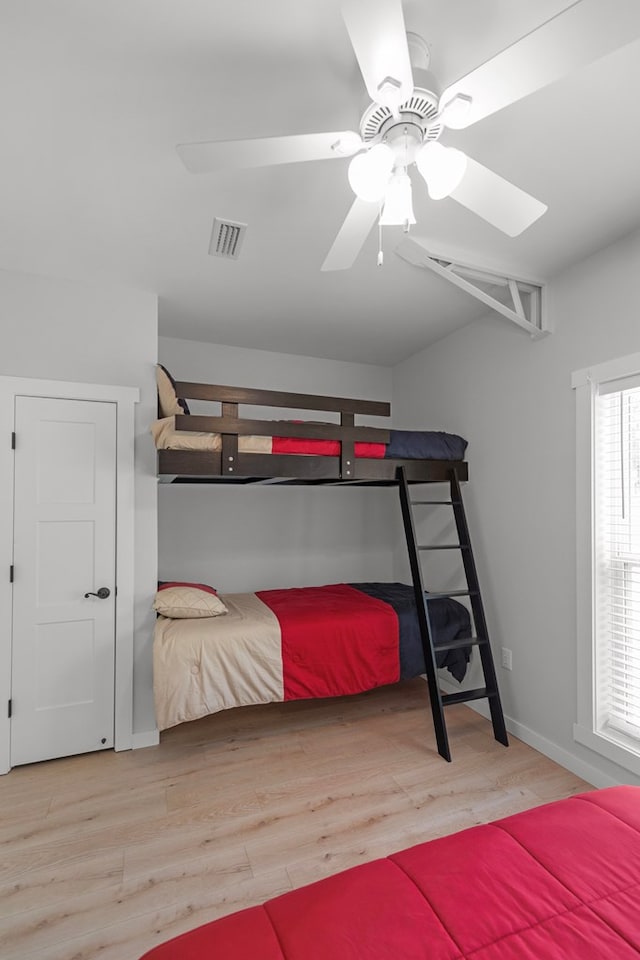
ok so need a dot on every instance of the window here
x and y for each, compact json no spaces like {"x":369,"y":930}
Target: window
{"x":617,"y":558}
{"x":608,"y":564}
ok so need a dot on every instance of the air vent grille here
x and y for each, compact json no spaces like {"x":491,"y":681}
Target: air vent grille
{"x":226,"y":238}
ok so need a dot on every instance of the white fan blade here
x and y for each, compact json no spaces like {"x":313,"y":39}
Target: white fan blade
{"x":225,"y":154}
{"x":352,"y":235}
{"x":379,"y":39}
{"x":496,"y":200}
{"x":574,"y":38}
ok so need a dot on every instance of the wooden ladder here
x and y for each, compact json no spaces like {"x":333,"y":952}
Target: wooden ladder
{"x":481,"y":639}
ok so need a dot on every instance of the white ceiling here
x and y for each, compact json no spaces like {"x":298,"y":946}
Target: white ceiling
{"x":95,"y":94}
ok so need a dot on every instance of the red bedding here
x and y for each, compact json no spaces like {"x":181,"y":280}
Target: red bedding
{"x":560,"y":882}
{"x":335,"y":640}
{"x":326,"y":448}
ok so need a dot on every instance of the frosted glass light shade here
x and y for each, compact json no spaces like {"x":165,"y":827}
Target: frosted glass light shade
{"x":369,"y":172}
{"x":398,"y":206}
{"x":442,"y":167}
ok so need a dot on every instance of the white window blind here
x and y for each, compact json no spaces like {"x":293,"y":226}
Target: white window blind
{"x":617,"y":560}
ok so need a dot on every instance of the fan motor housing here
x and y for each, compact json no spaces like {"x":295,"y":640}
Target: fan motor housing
{"x":417,"y":117}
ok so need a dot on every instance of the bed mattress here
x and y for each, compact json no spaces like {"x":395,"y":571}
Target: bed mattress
{"x":299,"y":643}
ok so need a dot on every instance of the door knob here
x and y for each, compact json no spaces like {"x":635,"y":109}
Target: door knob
{"x":101,"y":593}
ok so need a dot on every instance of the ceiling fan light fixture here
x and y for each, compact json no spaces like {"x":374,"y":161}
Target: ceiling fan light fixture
{"x":455,"y":112}
{"x":369,"y":172}
{"x":398,"y":205}
{"x":442,"y":168}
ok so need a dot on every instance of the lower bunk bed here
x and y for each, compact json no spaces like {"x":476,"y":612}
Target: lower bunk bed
{"x":559,"y":882}
{"x":213,"y":652}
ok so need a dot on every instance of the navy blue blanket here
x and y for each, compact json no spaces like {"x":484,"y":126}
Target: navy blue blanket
{"x":424,"y":445}
{"x":449,"y":621}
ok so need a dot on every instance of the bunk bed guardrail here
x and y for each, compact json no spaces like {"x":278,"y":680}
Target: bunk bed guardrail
{"x":229,"y":464}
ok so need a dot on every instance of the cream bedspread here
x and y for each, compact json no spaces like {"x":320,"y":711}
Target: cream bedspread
{"x":209,"y":664}
{"x":166,"y":437}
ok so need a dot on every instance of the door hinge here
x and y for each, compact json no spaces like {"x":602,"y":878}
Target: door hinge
{"x":9,"y":708}
{"x":11,"y":574}
{"x":13,"y":440}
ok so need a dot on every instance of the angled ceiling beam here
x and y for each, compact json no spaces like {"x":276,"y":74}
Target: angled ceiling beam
{"x":468,"y":277}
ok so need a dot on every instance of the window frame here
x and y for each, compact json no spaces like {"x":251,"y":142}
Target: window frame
{"x":620,"y":749}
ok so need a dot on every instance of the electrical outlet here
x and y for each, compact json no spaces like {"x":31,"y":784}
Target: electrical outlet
{"x":507,"y":662}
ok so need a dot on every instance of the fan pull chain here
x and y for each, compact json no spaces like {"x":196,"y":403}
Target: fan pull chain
{"x":380,"y":253}
{"x":405,"y":225}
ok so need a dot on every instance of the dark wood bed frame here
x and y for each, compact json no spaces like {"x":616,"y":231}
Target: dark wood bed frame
{"x":230,"y":466}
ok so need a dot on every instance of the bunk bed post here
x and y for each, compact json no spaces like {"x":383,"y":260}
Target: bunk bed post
{"x":347,"y":448}
{"x":426,"y":633}
{"x":229,"y":441}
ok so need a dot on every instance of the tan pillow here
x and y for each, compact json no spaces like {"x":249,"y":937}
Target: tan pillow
{"x":170,"y":403}
{"x":182,"y":601}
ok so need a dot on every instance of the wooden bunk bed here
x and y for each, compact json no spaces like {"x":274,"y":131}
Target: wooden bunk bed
{"x":332,"y":454}
{"x":231,"y":465}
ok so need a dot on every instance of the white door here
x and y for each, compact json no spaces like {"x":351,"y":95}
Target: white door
{"x":63,"y":649}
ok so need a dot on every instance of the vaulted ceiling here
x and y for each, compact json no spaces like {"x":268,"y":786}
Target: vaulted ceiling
{"x":95,"y":95}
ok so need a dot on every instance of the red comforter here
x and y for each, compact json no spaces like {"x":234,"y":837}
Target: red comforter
{"x":560,"y":882}
{"x":335,"y":640}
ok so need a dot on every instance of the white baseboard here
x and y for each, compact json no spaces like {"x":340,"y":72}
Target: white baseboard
{"x":150,"y":738}
{"x":548,"y":748}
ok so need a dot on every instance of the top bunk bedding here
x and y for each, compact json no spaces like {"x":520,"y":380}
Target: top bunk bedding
{"x":169,"y":434}
{"x":229,"y":447}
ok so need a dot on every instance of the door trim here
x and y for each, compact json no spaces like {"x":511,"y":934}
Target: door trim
{"x":125,"y":399}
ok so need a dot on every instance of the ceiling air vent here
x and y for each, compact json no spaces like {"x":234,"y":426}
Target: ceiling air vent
{"x":226,"y":238}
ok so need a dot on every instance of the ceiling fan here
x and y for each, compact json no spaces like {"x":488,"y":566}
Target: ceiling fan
{"x":403,"y":124}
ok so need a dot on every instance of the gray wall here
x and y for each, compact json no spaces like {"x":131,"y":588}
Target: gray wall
{"x":240,"y":539}
{"x":512,"y":398}
{"x":58,"y":330}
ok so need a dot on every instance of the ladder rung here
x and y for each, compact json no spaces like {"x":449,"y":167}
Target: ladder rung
{"x":420,"y":503}
{"x":446,"y":546}
{"x":459,"y":644}
{"x":451,"y":593}
{"x":465,"y":695}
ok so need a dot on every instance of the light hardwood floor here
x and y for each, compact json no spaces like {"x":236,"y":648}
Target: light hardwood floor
{"x":105,"y":855}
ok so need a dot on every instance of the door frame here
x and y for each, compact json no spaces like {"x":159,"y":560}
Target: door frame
{"x":125,"y":399}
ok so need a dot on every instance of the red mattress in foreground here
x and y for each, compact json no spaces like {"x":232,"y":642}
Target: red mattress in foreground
{"x":560,"y":882}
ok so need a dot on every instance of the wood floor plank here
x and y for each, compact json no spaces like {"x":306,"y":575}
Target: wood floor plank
{"x":67,"y":818}
{"x":137,"y":933}
{"x":57,"y":883}
{"x":200,"y":881}
{"x":108,"y":854}
{"x":26,"y":809}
